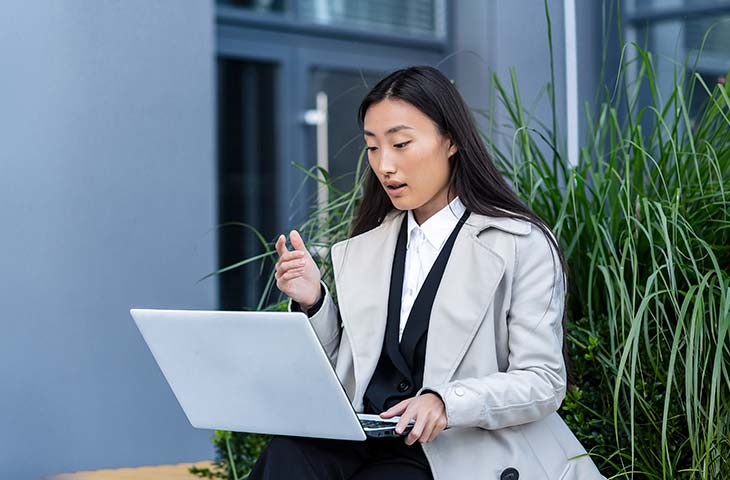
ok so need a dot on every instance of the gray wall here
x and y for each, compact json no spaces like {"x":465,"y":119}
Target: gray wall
{"x":494,"y":35}
{"x":106,"y":202}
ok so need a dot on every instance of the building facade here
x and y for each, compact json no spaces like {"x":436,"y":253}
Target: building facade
{"x":136,"y":133}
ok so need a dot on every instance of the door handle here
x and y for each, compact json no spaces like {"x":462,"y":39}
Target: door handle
{"x":318,"y":118}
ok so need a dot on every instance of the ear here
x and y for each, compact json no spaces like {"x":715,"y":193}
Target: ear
{"x":452,"y":147}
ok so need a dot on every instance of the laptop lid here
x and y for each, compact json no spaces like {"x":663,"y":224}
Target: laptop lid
{"x":261,"y":372}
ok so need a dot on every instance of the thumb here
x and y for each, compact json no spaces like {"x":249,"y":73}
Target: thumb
{"x":296,"y":241}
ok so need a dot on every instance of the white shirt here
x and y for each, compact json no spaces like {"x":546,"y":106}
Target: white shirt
{"x":424,"y":244}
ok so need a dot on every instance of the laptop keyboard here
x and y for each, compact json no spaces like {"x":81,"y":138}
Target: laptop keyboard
{"x":376,"y":424}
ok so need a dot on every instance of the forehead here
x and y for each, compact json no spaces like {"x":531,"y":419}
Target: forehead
{"x":390,"y":115}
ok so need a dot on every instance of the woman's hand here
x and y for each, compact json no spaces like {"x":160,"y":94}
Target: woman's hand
{"x":429,"y":412}
{"x":296,"y":273}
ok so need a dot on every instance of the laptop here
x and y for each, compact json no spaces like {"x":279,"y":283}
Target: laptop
{"x":257,"y":372}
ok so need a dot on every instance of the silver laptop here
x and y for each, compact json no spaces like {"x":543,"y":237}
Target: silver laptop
{"x":259,"y":372}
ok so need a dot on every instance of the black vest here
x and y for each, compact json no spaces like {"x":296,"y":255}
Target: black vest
{"x":399,"y":373}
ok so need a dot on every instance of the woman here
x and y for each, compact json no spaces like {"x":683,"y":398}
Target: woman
{"x":450,"y":308}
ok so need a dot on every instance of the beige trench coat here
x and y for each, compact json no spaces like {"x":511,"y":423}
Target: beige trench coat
{"x":493,"y":350}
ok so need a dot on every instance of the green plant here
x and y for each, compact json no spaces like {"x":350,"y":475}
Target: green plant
{"x":236,"y":454}
{"x":644,"y":222}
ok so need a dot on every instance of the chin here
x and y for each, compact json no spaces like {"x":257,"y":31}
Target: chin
{"x":403,"y":205}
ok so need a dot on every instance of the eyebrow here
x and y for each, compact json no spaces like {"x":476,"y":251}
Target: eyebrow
{"x":397,"y":128}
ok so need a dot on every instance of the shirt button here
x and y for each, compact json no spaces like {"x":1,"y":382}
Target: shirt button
{"x":459,"y":392}
{"x":403,"y":386}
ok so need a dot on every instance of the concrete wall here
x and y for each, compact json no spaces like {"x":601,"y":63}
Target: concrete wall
{"x":107,"y":188}
{"x":494,"y":35}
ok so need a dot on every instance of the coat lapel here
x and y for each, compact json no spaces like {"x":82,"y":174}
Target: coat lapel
{"x":467,"y":289}
{"x":362,"y":267}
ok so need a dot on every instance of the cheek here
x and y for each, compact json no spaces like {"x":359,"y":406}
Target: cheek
{"x":430,"y":163}
{"x":372,"y":166}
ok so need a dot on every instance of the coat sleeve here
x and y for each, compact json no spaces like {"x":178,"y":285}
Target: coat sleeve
{"x":326,"y":324}
{"x":534,"y":383}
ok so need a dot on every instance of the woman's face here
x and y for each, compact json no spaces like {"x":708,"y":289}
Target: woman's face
{"x":409,"y":156}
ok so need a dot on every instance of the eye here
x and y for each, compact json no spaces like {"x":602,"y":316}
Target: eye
{"x":401,"y":145}
{"x":372,"y":149}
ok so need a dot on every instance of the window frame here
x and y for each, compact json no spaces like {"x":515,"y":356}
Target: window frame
{"x":290,"y":21}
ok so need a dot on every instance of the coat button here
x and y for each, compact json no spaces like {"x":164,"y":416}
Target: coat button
{"x":459,"y":392}
{"x":403,"y":386}
{"x":509,"y":473}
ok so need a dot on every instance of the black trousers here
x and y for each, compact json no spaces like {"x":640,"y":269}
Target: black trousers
{"x":296,"y":458}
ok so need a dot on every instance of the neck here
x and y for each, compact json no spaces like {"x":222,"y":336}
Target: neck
{"x":429,"y":209}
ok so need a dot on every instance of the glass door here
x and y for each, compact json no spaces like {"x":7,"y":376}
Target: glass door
{"x":291,"y":76}
{"x":335,"y":140}
{"x":247,"y":176}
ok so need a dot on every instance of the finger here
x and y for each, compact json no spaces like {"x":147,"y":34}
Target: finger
{"x":284,"y":253}
{"x":396,"y":409}
{"x":294,"y":257}
{"x":285,"y":266}
{"x":427,"y":430}
{"x":296,"y":241}
{"x":292,"y":274}
{"x":440,"y":426}
{"x":417,"y":430}
{"x":281,"y":245}
{"x":405,"y":418}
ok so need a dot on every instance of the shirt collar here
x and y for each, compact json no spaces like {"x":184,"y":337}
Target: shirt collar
{"x":440,"y":225}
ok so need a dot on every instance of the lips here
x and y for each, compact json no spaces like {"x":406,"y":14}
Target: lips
{"x":390,"y":183}
{"x":395,"y":188}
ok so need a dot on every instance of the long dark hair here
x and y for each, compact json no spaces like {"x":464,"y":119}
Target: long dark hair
{"x":473,"y":177}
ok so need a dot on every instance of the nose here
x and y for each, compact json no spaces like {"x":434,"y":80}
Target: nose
{"x":386,"y":164}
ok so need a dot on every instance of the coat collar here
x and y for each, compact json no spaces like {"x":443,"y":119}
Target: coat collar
{"x":362,"y":268}
{"x":476,"y":222}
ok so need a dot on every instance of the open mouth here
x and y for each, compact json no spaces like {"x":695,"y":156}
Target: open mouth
{"x":396,"y":187}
